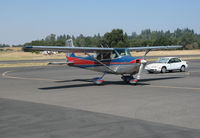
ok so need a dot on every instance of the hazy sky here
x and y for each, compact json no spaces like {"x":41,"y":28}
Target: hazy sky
{"x":25,"y":20}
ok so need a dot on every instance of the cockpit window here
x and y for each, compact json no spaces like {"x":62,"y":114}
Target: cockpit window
{"x":114,"y":54}
{"x":123,"y":52}
{"x":104,"y":56}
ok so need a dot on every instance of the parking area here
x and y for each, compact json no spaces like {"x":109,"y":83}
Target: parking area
{"x":62,"y":101}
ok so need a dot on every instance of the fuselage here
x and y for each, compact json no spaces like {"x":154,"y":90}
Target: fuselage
{"x":116,"y":65}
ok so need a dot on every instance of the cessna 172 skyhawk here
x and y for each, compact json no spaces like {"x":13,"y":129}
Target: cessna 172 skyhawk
{"x":106,"y":60}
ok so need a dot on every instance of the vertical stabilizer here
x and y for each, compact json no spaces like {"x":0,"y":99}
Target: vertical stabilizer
{"x":69,"y":43}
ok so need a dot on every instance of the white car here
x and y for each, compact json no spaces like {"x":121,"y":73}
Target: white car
{"x":167,"y":64}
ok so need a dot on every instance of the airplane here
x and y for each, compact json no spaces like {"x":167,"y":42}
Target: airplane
{"x":116,"y":61}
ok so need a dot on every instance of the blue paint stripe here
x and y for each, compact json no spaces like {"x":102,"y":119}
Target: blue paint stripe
{"x":121,"y":59}
{"x":85,"y":66}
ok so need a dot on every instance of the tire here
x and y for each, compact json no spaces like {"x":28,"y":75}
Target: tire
{"x":126,"y":78}
{"x":150,"y":72}
{"x":182,"y":69}
{"x":163,"y":70}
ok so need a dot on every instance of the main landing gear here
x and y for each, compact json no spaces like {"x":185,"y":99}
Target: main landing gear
{"x":126,"y":78}
{"x":129,"y":79}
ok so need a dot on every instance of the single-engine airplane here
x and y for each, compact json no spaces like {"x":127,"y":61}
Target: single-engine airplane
{"x":106,"y":60}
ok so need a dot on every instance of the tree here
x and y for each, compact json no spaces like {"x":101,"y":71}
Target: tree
{"x":116,"y":38}
{"x":51,"y":39}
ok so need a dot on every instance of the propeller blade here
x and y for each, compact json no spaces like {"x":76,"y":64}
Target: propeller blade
{"x":143,"y":63}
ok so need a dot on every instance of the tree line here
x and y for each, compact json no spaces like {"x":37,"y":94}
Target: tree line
{"x":118,"y":38}
{"x":4,"y":45}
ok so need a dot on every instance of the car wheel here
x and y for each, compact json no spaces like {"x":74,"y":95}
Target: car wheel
{"x":150,"y":72}
{"x":163,"y":70}
{"x":182,"y":69}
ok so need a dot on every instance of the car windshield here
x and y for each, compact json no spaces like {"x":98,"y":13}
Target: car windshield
{"x":162,"y":60}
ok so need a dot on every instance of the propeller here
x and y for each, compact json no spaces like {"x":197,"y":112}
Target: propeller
{"x":143,"y":63}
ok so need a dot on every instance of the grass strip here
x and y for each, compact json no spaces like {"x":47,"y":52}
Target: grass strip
{"x":23,"y":64}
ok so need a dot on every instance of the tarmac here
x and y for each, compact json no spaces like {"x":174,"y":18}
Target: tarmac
{"x":60,"y":101}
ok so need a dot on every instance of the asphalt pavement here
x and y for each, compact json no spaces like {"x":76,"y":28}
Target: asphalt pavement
{"x":59,"y":101}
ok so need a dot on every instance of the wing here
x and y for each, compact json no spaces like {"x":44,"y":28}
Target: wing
{"x":69,"y":49}
{"x":153,"y":47}
{"x":92,"y":49}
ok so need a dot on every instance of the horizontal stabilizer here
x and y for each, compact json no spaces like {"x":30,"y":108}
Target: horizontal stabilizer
{"x":59,"y":63}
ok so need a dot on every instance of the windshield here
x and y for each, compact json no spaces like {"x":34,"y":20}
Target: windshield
{"x":162,"y":60}
{"x":123,"y":52}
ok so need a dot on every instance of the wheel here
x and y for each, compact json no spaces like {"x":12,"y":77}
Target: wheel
{"x":163,"y":70}
{"x":150,"y":72}
{"x":98,"y":81}
{"x":182,"y":69}
{"x":126,"y":78}
{"x":133,"y":81}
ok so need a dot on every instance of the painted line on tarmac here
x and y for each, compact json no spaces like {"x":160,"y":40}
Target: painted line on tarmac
{"x":172,"y":87}
{"x":175,"y":73}
{"x":5,"y":74}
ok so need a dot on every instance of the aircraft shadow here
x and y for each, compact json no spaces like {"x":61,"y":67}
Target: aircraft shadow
{"x":83,"y":80}
{"x":163,"y":78}
{"x":140,"y":83}
{"x":88,"y":84}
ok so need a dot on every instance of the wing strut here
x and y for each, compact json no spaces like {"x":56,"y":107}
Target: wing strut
{"x":146,"y":52}
{"x":101,"y":63}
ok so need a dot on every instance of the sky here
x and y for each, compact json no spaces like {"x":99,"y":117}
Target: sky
{"x":26,"y":20}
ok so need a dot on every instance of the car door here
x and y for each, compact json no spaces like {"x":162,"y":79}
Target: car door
{"x":177,"y":63}
{"x":171,"y":64}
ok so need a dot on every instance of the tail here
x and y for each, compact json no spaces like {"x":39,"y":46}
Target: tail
{"x":69,"y":43}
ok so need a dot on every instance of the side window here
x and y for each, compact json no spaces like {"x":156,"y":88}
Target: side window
{"x":114,"y":55}
{"x":177,"y":60}
{"x":171,"y":61}
{"x":106,"y":55}
{"x":99,"y":56}
{"x":103,"y":56}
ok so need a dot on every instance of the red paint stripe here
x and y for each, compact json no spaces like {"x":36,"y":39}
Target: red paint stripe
{"x":78,"y":61}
